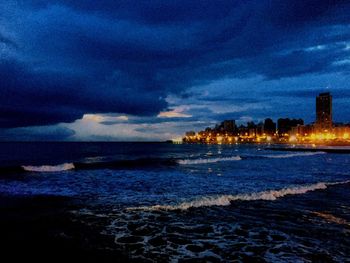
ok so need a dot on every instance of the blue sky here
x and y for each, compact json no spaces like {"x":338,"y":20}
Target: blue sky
{"x":151,"y":70}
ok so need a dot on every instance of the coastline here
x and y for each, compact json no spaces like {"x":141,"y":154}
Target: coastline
{"x":282,"y":145}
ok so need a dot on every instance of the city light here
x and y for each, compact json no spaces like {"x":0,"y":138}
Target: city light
{"x":289,"y":131}
{"x":292,"y":138}
{"x":219,"y":139}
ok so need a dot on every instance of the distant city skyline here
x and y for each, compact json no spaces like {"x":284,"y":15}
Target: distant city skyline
{"x":73,"y":70}
{"x":285,"y":130}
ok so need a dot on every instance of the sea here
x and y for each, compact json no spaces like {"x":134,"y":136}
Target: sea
{"x":164,"y":202}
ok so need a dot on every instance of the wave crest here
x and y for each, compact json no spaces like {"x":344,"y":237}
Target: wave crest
{"x":210,"y":160}
{"x":290,"y":155}
{"x":225,"y":200}
{"x":49,"y":168}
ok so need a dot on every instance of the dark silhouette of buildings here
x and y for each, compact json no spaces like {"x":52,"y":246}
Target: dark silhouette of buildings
{"x":229,"y":125}
{"x":323,"y":131}
{"x":190,"y":133}
{"x":286,"y":125}
{"x":269,"y":127}
{"x":226,"y":126}
{"x":324,"y":111}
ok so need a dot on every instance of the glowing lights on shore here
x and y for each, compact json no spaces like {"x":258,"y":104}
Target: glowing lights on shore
{"x":292,"y":138}
{"x":177,"y":140}
{"x":323,"y":136}
{"x":312,"y":138}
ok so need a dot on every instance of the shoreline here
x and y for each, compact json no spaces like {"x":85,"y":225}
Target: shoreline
{"x":294,"y":145}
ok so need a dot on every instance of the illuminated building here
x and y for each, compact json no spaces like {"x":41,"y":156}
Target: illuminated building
{"x":342,"y":131}
{"x":324,"y":111}
{"x":252,"y":132}
{"x":305,"y":130}
{"x":290,"y":131}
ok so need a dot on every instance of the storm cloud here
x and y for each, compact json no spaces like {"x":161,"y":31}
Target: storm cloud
{"x":62,"y":59}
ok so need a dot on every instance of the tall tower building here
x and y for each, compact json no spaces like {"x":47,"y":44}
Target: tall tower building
{"x":324,"y":111}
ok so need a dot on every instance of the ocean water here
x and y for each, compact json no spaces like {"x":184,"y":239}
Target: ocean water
{"x":167,"y":202}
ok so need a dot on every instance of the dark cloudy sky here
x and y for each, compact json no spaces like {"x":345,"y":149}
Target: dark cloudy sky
{"x":150,"y":70}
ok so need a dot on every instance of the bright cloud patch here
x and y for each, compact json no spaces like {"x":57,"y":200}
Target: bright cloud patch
{"x":173,"y":114}
{"x":104,"y":118}
{"x":150,"y":68}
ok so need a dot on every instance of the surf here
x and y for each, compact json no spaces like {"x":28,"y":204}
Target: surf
{"x":291,"y":155}
{"x":49,"y":168}
{"x":225,"y":200}
{"x":209,"y":160}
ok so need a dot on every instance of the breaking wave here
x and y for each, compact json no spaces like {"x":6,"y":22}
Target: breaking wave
{"x":93,"y":164}
{"x":290,"y":155}
{"x":115,"y":165}
{"x":210,"y":160}
{"x":225,"y":200}
{"x":238,"y":158}
{"x":49,"y":168}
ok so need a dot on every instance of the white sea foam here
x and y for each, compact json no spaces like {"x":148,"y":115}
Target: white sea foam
{"x":225,"y":200}
{"x":49,"y":168}
{"x":209,"y":160}
{"x":290,"y":155}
